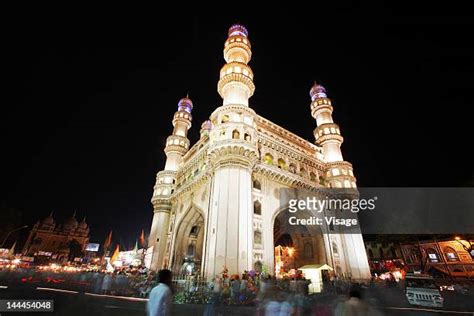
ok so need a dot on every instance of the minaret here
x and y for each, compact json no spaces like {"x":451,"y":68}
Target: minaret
{"x":177,"y":145}
{"x":233,"y":153}
{"x":339,"y":174}
{"x":236,"y":78}
{"x":328,"y":135}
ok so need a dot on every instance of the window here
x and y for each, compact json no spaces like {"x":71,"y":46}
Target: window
{"x":312,"y":176}
{"x":292,"y":168}
{"x":451,"y":254}
{"x":247,"y":137}
{"x":281,"y":164}
{"x":334,"y":248}
{"x":257,"y":208}
{"x":235,"y":134}
{"x":321,"y":181}
{"x":194,"y":231}
{"x":191,"y":250}
{"x":257,"y":185}
{"x":268,"y":159}
{"x":257,"y":237}
{"x":225,"y":118}
{"x":432,"y":255}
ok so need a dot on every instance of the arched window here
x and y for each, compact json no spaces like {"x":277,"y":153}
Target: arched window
{"x":292,"y":168}
{"x":451,"y":254}
{"x":281,"y":164}
{"x":257,"y":208}
{"x":225,"y":119}
{"x":334,"y":248}
{"x":235,"y":134}
{"x":432,"y":255}
{"x":268,"y":159}
{"x":191,"y":250}
{"x":247,"y":137}
{"x":321,"y":181}
{"x":257,"y":237}
{"x":194,"y":231}
{"x":257,"y":185}
{"x":308,"y":250}
{"x":302,"y":172}
{"x":312,"y":176}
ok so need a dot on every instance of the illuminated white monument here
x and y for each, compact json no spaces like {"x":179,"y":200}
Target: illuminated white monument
{"x":217,"y":203}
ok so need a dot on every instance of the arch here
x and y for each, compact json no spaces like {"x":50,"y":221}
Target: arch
{"x":257,"y":185}
{"x":432,"y":255}
{"x":257,"y":208}
{"x":247,"y":137}
{"x":268,"y":159}
{"x":302,"y":172}
{"x":296,"y":236}
{"x":335,"y":250}
{"x":292,"y":168}
{"x":188,"y":241}
{"x":322,"y":181}
{"x":450,"y":254}
{"x":312,"y":176}
{"x":235,"y":134}
{"x":257,"y":237}
{"x":225,"y":118}
{"x":281,"y":164}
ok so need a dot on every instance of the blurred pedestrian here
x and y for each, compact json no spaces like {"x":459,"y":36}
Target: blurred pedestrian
{"x":161,"y":296}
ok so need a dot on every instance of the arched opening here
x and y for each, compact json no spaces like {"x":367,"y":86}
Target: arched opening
{"x":321,"y":181}
{"x":257,"y":185}
{"x":235,"y":134}
{"x":296,"y":245}
{"x":432,"y":255}
{"x":188,"y":244}
{"x":302,"y":172}
{"x":451,"y":254}
{"x":292,"y":168}
{"x":257,"y":208}
{"x":312,"y":176}
{"x":268,"y":159}
{"x":281,"y":164}
{"x":247,"y":137}
{"x":225,"y":118}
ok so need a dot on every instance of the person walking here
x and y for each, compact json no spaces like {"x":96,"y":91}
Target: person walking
{"x":161,"y":296}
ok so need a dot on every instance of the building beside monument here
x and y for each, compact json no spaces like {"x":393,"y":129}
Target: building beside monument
{"x":55,"y":241}
{"x":217,"y":202}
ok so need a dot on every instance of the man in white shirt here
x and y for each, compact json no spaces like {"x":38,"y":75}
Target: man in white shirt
{"x":161,"y":296}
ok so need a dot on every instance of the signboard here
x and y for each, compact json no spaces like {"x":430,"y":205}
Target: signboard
{"x":92,"y":247}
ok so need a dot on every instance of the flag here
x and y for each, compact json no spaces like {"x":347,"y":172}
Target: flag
{"x":108,"y":241}
{"x":142,"y":239}
{"x":115,"y":255}
{"x":11,"y":252}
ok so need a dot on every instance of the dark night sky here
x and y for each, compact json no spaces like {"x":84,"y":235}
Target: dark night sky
{"x":89,"y":107}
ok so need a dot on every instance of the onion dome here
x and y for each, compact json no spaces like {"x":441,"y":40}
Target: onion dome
{"x":238,"y":29}
{"x":185,"y":104}
{"x":48,"y":220}
{"x":206,"y":125}
{"x":317,"y":91}
{"x":71,"y":223}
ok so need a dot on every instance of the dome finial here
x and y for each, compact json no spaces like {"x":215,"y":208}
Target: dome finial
{"x":185,"y":104}
{"x":317,"y":91}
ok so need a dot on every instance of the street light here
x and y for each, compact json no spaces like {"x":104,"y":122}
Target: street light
{"x":8,"y":235}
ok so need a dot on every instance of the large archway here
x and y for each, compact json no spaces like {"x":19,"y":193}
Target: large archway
{"x":188,"y":244}
{"x":296,"y":245}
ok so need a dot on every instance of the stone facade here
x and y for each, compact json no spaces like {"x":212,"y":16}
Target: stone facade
{"x":217,"y":203}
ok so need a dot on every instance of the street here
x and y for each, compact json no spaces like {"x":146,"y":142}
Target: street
{"x":72,"y":303}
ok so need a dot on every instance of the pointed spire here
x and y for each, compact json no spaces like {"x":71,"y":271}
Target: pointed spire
{"x":74,"y":214}
{"x":84,"y":219}
{"x":51,"y":213}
